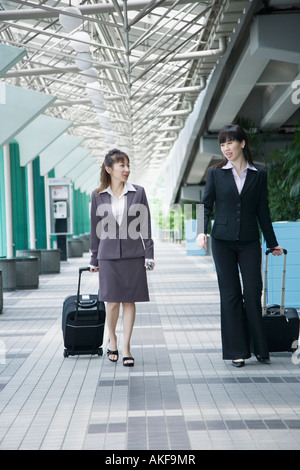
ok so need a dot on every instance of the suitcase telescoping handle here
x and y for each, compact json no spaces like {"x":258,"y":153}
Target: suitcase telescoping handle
{"x":79,"y":280}
{"x":87,"y":304}
{"x":266,"y":281}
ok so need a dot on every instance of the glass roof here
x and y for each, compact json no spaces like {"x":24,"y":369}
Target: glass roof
{"x":126,"y":73}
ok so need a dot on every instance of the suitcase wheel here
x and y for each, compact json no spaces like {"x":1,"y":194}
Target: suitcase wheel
{"x":66,"y":354}
{"x":99,"y":352}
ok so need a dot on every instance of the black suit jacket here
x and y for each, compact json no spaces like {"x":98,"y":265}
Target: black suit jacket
{"x":238,"y":215}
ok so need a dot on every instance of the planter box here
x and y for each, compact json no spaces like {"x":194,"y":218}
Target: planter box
{"x":35,"y":253}
{"x":75,"y":248}
{"x":86,"y":242}
{"x":27,"y":272}
{"x":8,"y":268}
{"x":50,"y":261}
{"x":1,"y":293}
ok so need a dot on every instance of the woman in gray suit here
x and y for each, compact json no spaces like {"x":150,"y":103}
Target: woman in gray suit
{"x":121,"y":247}
{"x":238,"y":190}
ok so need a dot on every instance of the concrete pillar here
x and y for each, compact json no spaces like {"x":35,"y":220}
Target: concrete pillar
{"x":32,"y":237}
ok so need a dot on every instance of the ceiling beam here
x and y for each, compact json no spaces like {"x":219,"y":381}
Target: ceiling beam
{"x":73,"y":69}
{"x":48,"y":12}
{"x":245,"y":74}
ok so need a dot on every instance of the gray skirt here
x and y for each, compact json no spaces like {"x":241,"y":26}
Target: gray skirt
{"x":123,"y":280}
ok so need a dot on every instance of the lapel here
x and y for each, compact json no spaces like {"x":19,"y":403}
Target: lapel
{"x":250,"y":179}
{"x":128,"y":201}
{"x":129,"y":198}
{"x":104,"y":198}
{"x":228,"y":177}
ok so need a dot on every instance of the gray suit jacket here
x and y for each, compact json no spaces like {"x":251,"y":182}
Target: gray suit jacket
{"x":130,"y":239}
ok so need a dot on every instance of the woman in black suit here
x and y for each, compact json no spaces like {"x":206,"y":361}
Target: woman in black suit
{"x":239,"y":192}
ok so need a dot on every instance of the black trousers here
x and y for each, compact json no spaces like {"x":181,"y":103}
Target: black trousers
{"x":238,"y":267}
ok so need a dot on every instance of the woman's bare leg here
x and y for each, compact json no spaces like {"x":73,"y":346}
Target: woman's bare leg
{"x":112,"y":316}
{"x":128,"y":322}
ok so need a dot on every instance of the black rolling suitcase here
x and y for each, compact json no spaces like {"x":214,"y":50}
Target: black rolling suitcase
{"x":281,"y":324}
{"x":83,"y":320}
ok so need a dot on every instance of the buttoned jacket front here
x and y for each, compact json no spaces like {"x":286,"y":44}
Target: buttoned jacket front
{"x":130,"y":239}
{"x":238,"y":216}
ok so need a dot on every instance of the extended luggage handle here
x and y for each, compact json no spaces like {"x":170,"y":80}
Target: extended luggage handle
{"x":266,"y":280}
{"x":87,"y":304}
{"x":270,"y":251}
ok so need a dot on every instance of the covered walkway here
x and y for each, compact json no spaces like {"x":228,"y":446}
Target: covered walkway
{"x":180,"y":395}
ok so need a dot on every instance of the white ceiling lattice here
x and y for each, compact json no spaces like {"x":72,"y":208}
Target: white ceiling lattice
{"x":126,"y":73}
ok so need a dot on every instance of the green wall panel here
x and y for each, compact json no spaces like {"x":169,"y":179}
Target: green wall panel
{"x":19,"y":199}
{"x":80,"y":215}
{"x":75,"y":212}
{"x":87,"y":213}
{"x":81,"y":220}
{"x":3,"y":248}
{"x":39,"y":206}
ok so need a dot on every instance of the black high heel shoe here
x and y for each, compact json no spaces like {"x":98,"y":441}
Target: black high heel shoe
{"x":238,"y":363}
{"x":128,"y":361}
{"x":113,"y":353}
{"x":263,"y":360}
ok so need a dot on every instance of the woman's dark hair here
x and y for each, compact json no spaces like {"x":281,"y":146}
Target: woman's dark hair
{"x":111,"y":157}
{"x":234,"y":132}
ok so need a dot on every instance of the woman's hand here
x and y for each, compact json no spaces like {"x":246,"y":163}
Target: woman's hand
{"x":94,"y":269}
{"x":149,"y":265}
{"x":277,"y":251}
{"x":201,"y":240}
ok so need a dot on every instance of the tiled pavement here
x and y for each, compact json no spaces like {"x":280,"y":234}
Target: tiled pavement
{"x":180,"y":394}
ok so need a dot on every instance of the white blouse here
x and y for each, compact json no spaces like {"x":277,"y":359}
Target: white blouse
{"x":239,"y":179}
{"x":118,"y":204}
